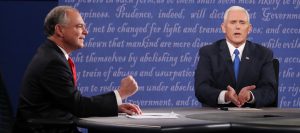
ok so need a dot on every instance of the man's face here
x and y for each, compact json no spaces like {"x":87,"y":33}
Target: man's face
{"x":74,"y":31}
{"x":236,"y":27}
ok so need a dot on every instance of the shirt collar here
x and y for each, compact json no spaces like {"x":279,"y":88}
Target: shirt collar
{"x":232,"y":48}
{"x":64,"y":51}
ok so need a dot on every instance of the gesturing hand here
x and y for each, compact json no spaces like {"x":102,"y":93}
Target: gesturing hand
{"x":231,"y":95}
{"x":245,"y":95}
{"x":128,"y":87}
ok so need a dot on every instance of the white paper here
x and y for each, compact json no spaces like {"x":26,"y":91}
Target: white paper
{"x":154,"y":115}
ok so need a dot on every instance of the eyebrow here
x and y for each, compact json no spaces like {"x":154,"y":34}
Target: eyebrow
{"x":238,"y":21}
{"x":80,"y":24}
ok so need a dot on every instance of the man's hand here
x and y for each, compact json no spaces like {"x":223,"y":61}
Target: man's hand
{"x":245,"y":95}
{"x":231,"y":95}
{"x":128,"y":87}
{"x":130,"y":109}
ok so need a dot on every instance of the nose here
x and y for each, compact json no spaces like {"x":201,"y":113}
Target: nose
{"x":85,"y":31}
{"x":237,"y":26}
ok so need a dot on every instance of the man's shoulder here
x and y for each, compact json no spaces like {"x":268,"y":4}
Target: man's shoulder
{"x":50,"y":50}
{"x":49,"y":46}
{"x":214,"y":46}
{"x":258,"y":47}
{"x":46,"y":54}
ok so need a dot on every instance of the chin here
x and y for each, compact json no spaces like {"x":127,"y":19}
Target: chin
{"x":80,"y":45}
{"x":239,"y":41}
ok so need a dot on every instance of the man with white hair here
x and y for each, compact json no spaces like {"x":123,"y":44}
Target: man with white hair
{"x":233,"y":71}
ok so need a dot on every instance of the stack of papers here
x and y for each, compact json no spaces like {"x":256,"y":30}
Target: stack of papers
{"x":154,"y":115}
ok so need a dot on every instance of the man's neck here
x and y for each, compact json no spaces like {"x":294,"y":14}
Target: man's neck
{"x":59,"y":43}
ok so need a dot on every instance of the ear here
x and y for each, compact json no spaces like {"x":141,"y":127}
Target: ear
{"x":223,"y":27}
{"x":59,"y":30}
{"x":250,"y":28}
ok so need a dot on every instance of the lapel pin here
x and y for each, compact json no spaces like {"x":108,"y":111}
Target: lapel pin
{"x":247,"y":58}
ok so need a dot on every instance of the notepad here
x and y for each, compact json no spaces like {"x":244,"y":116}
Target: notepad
{"x":171,"y":115}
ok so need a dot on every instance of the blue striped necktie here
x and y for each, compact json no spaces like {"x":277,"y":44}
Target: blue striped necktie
{"x":236,"y":63}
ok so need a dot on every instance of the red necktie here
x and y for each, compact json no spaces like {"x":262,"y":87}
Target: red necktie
{"x":73,"y":68}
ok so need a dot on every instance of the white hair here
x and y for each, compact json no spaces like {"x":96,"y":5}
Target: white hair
{"x":236,"y":8}
{"x":57,"y":15}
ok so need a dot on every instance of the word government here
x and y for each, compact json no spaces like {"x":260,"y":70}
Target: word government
{"x":269,"y":15}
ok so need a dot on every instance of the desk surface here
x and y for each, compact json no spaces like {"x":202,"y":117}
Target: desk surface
{"x":199,"y":119}
{"x":266,"y":120}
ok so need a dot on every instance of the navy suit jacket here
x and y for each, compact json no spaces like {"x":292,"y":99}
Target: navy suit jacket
{"x":215,"y":72}
{"x":48,"y":90}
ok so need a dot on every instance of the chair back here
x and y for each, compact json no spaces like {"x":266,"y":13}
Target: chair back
{"x":276,"y":71}
{"x":6,"y":114}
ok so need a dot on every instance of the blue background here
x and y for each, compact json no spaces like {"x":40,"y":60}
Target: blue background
{"x":22,"y":32}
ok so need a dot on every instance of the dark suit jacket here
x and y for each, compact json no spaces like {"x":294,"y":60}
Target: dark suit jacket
{"x":215,"y":72}
{"x":48,"y":90}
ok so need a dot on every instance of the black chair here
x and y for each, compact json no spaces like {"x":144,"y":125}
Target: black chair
{"x":8,"y":123}
{"x":6,"y":115}
{"x":276,"y":71}
{"x":50,"y":126}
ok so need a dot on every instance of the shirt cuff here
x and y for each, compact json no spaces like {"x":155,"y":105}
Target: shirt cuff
{"x":221,"y":98}
{"x":118,"y":97}
{"x":253,"y":98}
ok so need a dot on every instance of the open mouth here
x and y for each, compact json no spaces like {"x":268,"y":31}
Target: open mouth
{"x":237,"y":34}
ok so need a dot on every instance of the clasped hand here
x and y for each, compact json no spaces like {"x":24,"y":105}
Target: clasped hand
{"x":239,"y":99}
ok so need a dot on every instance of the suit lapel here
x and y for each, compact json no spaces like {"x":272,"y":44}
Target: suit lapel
{"x":225,"y":54}
{"x":245,"y":62}
{"x":52,"y":45}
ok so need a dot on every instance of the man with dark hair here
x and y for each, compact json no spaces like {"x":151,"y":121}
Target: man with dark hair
{"x":49,"y":88}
